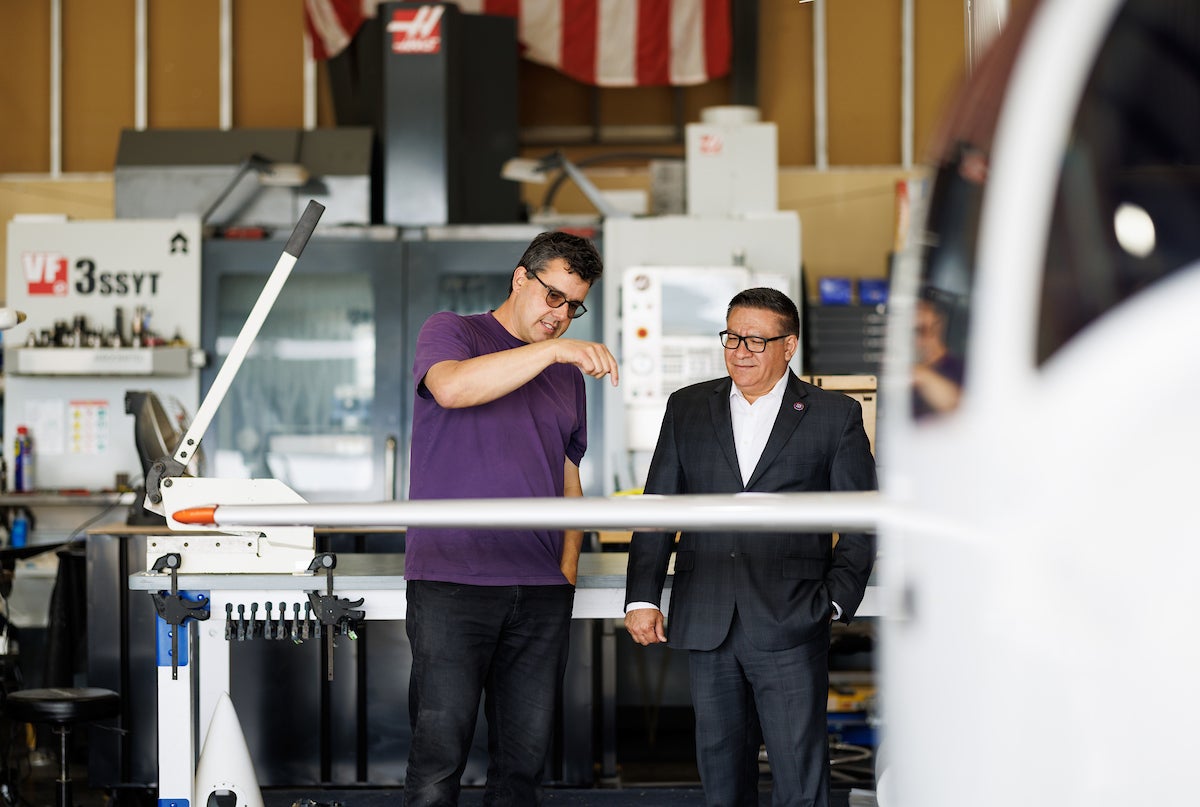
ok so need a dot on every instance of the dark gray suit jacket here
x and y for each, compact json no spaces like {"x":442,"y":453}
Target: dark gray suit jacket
{"x":781,"y":583}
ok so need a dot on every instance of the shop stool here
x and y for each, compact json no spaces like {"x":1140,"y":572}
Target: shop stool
{"x":62,"y":708}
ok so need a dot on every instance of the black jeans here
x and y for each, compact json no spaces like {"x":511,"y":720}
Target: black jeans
{"x":507,"y":642}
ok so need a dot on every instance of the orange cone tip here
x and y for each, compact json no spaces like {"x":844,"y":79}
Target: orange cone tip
{"x":196,"y":515}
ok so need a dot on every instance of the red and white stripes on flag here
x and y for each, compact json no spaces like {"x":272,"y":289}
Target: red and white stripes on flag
{"x":609,"y":43}
{"x":332,"y":24}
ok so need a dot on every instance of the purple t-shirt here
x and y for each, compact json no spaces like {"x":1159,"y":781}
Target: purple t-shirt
{"x":514,"y":446}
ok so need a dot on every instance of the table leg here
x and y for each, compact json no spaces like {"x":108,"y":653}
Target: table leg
{"x":176,"y":724}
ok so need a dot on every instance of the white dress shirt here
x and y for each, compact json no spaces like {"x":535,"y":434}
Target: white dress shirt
{"x":752,"y":423}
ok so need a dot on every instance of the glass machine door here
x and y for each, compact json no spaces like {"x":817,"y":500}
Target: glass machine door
{"x":318,"y":401}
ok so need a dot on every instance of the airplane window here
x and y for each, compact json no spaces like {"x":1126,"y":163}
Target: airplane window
{"x":961,"y":149}
{"x":940,"y":326}
{"x":1128,"y":197}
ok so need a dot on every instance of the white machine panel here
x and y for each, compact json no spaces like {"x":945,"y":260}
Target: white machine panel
{"x":74,"y":405}
{"x":732,"y":165}
{"x":671,"y":316}
{"x":678,"y":274}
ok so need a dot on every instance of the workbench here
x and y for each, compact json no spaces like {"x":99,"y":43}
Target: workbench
{"x":378,"y":580}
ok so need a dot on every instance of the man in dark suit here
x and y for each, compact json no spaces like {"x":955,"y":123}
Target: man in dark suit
{"x":755,"y":609}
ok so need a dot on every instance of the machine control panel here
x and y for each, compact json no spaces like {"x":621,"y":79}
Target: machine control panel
{"x":671,"y":316}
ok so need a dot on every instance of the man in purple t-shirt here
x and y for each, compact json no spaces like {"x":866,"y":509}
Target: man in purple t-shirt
{"x":499,"y":412}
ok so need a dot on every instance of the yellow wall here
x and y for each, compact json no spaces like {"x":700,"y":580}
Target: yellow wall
{"x":847,"y":219}
{"x":846,"y":213}
{"x":863,"y":47}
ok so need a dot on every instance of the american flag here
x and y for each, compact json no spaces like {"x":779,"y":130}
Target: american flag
{"x":608,"y":43}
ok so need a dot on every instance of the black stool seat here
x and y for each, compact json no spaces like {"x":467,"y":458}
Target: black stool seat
{"x":62,"y":705}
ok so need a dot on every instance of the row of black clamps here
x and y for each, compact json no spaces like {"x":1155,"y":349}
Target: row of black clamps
{"x":280,"y":623}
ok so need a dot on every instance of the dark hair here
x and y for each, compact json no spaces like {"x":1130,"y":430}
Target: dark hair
{"x":769,"y":300}
{"x":580,"y":254}
{"x":941,"y":302}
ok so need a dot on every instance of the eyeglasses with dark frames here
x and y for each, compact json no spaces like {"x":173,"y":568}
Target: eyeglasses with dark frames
{"x":556,"y":299}
{"x":755,"y":344}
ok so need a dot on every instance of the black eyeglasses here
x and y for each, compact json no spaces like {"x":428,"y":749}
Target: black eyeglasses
{"x":755,"y":344}
{"x":556,"y":299}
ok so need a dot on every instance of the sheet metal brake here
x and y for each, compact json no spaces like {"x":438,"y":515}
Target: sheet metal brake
{"x":169,"y":489}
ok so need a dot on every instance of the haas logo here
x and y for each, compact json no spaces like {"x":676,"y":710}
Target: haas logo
{"x":711,"y":144}
{"x":416,"y":30}
{"x":45,"y":273}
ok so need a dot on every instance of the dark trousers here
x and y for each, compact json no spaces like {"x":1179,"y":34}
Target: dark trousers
{"x":737,"y":688}
{"x":506,"y":642}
